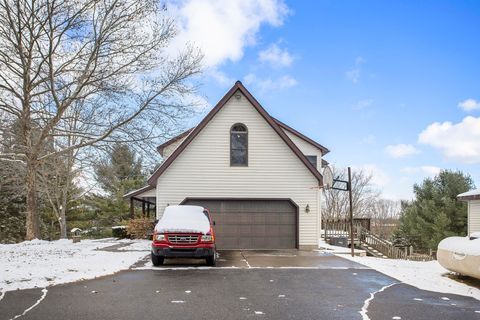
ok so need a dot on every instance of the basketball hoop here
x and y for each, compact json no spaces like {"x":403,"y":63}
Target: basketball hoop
{"x":327,"y":178}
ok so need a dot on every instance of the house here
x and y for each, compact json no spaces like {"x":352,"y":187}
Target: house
{"x":473,"y":199}
{"x":259,"y":177}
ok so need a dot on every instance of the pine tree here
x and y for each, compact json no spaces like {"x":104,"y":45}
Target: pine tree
{"x":117,"y":174}
{"x":435,"y":213}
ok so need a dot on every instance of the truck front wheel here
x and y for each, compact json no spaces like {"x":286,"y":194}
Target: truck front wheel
{"x":157,"y":260}
{"x":212,"y":260}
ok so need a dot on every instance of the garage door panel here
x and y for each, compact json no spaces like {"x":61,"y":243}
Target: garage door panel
{"x":252,"y":224}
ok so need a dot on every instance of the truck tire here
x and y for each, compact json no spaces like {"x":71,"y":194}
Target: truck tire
{"x":157,"y":260}
{"x":212,"y":260}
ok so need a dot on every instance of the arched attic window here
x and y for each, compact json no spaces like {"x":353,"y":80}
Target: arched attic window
{"x":238,"y":145}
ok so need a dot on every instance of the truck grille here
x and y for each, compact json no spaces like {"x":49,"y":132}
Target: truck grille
{"x":179,"y":239}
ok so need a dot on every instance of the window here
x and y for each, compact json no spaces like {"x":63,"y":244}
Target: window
{"x":313,"y":160}
{"x":238,"y":145}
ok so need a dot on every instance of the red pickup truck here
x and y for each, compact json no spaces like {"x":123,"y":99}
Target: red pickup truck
{"x":184,"y":232}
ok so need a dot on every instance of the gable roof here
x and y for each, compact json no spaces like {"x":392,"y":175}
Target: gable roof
{"x":301,"y":136}
{"x":238,"y":86}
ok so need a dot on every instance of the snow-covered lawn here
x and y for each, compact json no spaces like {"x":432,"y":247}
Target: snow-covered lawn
{"x":423,"y":275}
{"x":40,"y":263}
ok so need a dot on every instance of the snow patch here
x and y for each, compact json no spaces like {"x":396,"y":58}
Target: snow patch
{"x":188,"y":219}
{"x":187,"y":291}
{"x":364,"y":310}
{"x":445,"y":298}
{"x":281,"y":296}
{"x":242,"y":298}
{"x":396,"y":318}
{"x":137,"y":245}
{"x":429,"y":275}
{"x":328,"y":248}
{"x":39,"y":263}
{"x":44,"y":294}
{"x":259,"y":312}
{"x":417,"y":299}
{"x":177,"y":301}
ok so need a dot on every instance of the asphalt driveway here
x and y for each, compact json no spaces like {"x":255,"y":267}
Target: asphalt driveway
{"x":248,"y":284}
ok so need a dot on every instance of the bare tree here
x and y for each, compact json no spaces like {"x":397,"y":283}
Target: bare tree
{"x":364,"y":196}
{"x":56,"y":176}
{"x":107,"y":58}
{"x":385,"y":217}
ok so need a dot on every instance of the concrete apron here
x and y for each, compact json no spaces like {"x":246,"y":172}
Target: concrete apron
{"x":270,"y":259}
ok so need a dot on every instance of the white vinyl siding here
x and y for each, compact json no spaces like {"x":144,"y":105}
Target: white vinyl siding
{"x":274,"y":171}
{"x":473,"y":216}
{"x":168,"y":150}
{"x":307,"y":148}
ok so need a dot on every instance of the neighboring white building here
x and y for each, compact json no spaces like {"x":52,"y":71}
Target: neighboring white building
{"x":473,"y":200}
{"x":259,"y":178}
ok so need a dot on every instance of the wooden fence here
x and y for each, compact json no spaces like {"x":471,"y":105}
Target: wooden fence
{"x":341,"y":227}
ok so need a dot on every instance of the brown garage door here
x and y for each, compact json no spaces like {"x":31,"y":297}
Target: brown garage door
{"x":252,"y":224}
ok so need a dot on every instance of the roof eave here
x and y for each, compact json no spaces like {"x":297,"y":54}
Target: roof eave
{"x":135,"y":193}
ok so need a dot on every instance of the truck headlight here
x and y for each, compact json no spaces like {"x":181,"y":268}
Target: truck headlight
{"x":160,"y":237}
{"x":207,"y":238}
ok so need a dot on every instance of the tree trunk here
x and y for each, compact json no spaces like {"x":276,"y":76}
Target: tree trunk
{"x":62,"y":221}
{"x":33,"y":218}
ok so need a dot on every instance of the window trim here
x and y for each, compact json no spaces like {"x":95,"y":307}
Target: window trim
{"x":230,"y":139}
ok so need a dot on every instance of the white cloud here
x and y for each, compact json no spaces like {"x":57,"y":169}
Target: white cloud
{"x":276,"y":56}
{"x":222,"y":29}
{"x":362,"y":104}
{"x":459,"y":141}
{"x":269,"y":84}
{"x":369,"y":139}
{"x":400,"y":150}
{"x":427,"y":170}
{"x":379,"y":177}
{"x":221,"y":77}
{"x":355,"y":73}
{"x":469,"y":105}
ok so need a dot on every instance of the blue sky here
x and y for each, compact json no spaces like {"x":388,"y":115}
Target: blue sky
{"x":389,"y":86}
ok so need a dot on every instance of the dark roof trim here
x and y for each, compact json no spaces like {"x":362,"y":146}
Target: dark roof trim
{"x":182,"y":135}
{"x":135,"y":193}
{"x":471,"y":197}
{"x":302,"y":136}
{"x":238,"y":86}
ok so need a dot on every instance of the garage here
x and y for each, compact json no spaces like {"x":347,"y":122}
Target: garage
{"x":252,"y":223}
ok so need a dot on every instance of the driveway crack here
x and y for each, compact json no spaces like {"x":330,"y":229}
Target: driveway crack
{"x":367,"y":302}
{"x":245,"y":259}
{"x":44,"y":294}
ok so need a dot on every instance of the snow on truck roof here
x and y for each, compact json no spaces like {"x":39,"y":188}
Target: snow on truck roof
{"x":188,"y":219}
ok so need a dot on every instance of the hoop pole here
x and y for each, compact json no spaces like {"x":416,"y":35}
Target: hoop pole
{"x":352,"y":243}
